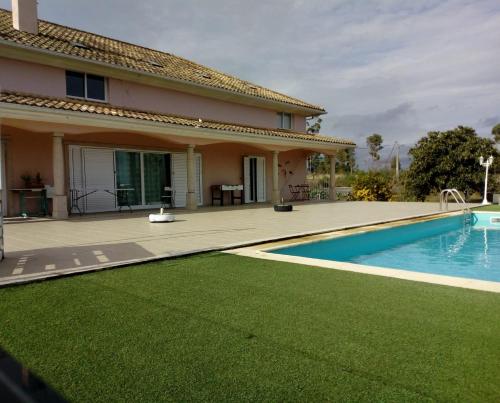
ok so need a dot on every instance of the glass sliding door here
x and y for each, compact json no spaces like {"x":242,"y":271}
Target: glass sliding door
{"x":157,"y":176}
{"x":128,"y":175}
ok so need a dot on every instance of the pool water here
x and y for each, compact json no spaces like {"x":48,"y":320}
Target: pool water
{"x":443,"y":246}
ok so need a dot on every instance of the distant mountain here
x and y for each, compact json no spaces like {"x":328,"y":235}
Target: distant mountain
{"x":364,"y":160}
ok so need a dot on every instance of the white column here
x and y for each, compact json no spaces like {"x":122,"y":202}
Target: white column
{"x":59,"y":198}
{"x":276,"y":190}
{"x":191,"y":179}
{"x":333,"y":187}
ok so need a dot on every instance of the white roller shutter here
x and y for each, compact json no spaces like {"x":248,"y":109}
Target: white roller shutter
{"x":76,"y":181}
{"x":179,"y":178}
{"x":246,"y":178}
{"x":261,"y":179}
{"x":99,"y":174}
{"x":199,"y":180}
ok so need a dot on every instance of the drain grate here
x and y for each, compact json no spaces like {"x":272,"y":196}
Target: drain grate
{"x":495,"y":220}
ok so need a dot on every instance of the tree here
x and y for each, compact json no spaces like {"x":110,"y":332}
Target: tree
{"x":314,"y":128}
{"x":496,"y":133}
{"x":346,"y":160}
{"x":374,"y":143}
{"x":448,"y":160}
{"x":372,"y":186}
{"x":318,"y":164}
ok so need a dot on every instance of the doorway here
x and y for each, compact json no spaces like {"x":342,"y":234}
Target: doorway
{"x":254,"y":183}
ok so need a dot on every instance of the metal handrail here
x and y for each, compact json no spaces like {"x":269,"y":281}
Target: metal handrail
{"x":443,"y":198}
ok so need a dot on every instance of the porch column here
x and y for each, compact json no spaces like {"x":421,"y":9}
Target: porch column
{"x":333,"y":188}
{"x":276,"y":190}
{"x":59,"y":199}
{"x":191,"y":203}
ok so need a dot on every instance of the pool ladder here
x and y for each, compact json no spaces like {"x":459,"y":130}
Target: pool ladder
{"x":443,"y":201}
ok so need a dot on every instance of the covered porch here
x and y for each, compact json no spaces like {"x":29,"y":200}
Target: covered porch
{"x":48,"y":248}
{"x":89,"y":158}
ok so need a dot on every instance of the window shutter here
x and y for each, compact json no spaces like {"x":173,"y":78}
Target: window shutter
{"x":99,"y":174}
{"x":179,"y":178}
{"x":246,"y":178}
{"x":199,"y":180}
{"x":261,"y":179}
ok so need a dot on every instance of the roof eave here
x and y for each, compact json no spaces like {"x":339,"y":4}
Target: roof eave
{"x":30,"y":54}
{"x":43,"y":114}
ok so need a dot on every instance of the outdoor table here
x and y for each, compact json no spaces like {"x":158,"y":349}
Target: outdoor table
{"x":121,"y":195}
{"x":218,"y":193}
{"x":38,"y":193}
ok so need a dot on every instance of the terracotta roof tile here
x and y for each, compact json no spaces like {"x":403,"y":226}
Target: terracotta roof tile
{"x":73,"y":42}
{"x":107,"y":110}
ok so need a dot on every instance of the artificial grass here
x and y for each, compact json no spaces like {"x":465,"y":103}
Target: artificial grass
{"x":221,"y":327}
{"x":491,"y":207}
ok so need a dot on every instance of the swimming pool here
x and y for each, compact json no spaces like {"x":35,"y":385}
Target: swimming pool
{"x":444,"y":246}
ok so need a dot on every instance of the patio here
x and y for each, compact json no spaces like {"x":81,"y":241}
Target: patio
{"x":46,"y":248}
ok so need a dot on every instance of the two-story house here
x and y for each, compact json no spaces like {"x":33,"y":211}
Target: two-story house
{"x":97,"y":118}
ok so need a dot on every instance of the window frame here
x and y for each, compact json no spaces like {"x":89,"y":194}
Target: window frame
{"x":281,"y":120}
{"x":85,"y":87}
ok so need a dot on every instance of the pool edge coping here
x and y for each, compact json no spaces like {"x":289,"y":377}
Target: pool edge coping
{"x":262,"y":251}
{"x":70,"y":272}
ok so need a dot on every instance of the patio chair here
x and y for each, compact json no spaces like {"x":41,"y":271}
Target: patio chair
{"x":168,"y":197}
{"x":294,"y":192}
{"x":306,"y":192}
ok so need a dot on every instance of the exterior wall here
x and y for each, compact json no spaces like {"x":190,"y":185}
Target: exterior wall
{"x":294,"y":164}
{"x":31,"y":78}
{"x":299,"y":123}
{"x":148,"y":98}
{"x":223,"y":164}
{"x":28,"y":152}
{"x":123,"y":140}
{"x":43,"y":80}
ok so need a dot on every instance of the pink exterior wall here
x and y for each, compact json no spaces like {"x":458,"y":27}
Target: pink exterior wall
{"x":223,"y":164}
{"x":293,"y":170}
{"x":28,"y":152}
{"x":137,"y":96}
{"x":299,"y":123}
{"x":31,"y":78}
{"x":50,"y":81}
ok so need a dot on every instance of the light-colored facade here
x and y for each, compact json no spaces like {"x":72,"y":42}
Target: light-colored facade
{"x":144,"y":121}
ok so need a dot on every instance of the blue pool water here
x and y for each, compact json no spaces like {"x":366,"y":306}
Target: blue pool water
{"x":444,"y":246}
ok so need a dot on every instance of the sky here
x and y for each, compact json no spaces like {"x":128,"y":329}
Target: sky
{"x":398,"y":68}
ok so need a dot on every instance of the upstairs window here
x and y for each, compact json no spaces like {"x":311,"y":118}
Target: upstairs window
{"x":83,"y":85}
{"x":284,"y":120}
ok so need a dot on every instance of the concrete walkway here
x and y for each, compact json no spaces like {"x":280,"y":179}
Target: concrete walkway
{"x":48,"y":248}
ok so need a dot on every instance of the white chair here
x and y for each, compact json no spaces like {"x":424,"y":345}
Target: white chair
{"x":168,"y":197}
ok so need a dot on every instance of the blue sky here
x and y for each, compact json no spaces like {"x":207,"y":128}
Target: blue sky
{"x":398,"y":68}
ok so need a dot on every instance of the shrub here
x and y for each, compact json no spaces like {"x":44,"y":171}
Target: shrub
{"x":372,"y":186}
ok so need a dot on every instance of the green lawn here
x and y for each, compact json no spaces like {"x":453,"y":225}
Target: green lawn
{"x":220,"y":327}
{"x":491,"y":207}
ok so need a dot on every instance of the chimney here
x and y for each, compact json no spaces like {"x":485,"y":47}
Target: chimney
{"x":25,"y":15}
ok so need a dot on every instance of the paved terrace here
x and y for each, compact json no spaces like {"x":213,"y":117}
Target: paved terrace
{"x":45,"y":248}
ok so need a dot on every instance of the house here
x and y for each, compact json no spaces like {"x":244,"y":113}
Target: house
{"x":107,"y":123}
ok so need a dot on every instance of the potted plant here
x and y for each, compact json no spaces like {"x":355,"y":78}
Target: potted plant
{"x":27,"y":179}
{"x":38,"y":183}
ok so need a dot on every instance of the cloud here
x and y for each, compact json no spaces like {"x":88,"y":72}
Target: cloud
{"x":398,"y":67}
{"x":488,"y":122}
{"x":397,"y":123}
